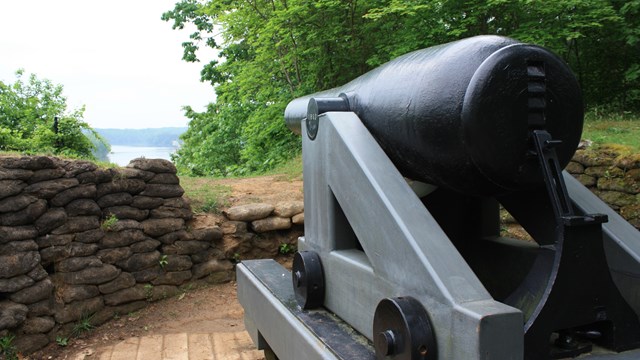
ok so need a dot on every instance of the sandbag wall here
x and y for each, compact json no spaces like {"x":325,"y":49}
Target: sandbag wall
{"x":613,"y":176}
{"x":83,"y":243}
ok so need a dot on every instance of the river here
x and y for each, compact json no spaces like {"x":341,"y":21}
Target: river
{"x":121,"y":154}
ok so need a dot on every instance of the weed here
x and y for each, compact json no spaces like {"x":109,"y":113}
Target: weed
{"x":205,"y":194}
{"x":236,"y":258}
{"x":211,"y":206}
{"x":83,"y":325}
{"x":109,"y":223}
{"x":62,"y":341}
{"x":285,"y":248}
{"x":148,"y":292}
{"x":7,"y":349}
{"x":163,"y":261}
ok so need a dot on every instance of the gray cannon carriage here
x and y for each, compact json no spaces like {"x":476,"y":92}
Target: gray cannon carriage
{"x":405,"y":169}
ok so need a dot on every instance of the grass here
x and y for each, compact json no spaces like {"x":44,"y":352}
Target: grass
{"x":205,"y":196}
{"x":613,"y":128}
{"x":290,"y":170}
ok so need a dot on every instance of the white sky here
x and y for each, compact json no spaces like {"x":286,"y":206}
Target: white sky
{"x":116,"y":57}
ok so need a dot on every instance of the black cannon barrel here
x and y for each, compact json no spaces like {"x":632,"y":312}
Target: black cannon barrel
{"x":460,"y":115}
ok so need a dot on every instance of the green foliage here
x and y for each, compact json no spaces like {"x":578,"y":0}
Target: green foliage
{"x":109,"y":222}
{"x":7,"y":350}
{"x":62,"y":341}
{"x":163,"y":261}
{"x":273,"y":51}
{"x":285,"y":248}
{"x":28,"y":113}
{"x":83,"y":325}
{"x":204,"y":194}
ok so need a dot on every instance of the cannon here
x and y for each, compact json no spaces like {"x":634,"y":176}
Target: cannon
{"x":405,"y":169}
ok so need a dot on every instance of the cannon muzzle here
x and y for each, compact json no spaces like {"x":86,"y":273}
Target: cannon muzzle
{"x":461,"y":115}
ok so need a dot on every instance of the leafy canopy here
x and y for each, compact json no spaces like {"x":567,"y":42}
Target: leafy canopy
{"x":28,"y":113}
{"x":271,"y":51}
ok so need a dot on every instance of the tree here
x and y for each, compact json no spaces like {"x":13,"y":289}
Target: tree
{"x":272,"y":51}
{"x":34,"y":119}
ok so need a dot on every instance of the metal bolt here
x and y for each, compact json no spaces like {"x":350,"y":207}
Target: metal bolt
{"x":298,"y":276}
{"x":387,"y":341}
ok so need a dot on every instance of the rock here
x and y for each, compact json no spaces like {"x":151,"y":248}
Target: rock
{"x":163,"y":190}
{"x":41,"y":308}
{"x":270,"y":224}
{"x":77,"y":263}
{"x":630,"y":162}
{"x":77,"y":224}
{"x":233,"y":227}
{"x":50,"y":188}
{"x":90,"y":236}
{"x":209,"y":254}
{"x":604,"y":171}
{"x":25,"y":216}
{"x":86,"y":191}
{"x":38,"y":291}
{"x":586,"y":180}
{"x":178,"y":202}
{"x":30,"y":343}
{"x":111,"y":256}
{"x":633,"y":174}
{"x":249,"y":212}
{"x":616,"y":198}
{"x":76,"y":310}
{"x":170,"y":212}
{"x":626,"y":185}
{"x":287,"y":209}
{"x":18,"y":246}
{"x":29,"y":162}
{"x":153,"y":165}
{"x":186,"y":247}
{"x":180,"y":235}
{"x":82,"y":207}
{"x":50,"y":220}
{"x":147,"y":275}
{"x":15,"y":174}
{"x":115,"y":199}
{"x":16,"y":233}
{"x":15,"y":283}
{"x":46,"y":174}
{"x":219,"y":277}
{"x":54,"y":240}
{"x":16,"y":203}
{"x":122,"y":238}
{"x":71,"y":293}
{"x":124,"y":296}
{"x":109,"y":312}
{"x":593,"y":158}
{"x":164,"y":178}
{"x":131,"y":186}
{"x":158,"y":227}
{"x":126,"y":212}
{"x":125,"y":280}
{"x":18,"y":263}
{"x":207,"y":234}
{"x":140,"y":261}
{"x":298,"y":219}
{"x":161,"y":292}
{"x":11,"y":187}
{"x":92,"y":275}
{"x":630,"y":212}
{"x":211,"y":266}
{"x":146,"y":202}
{"x":12,"y":314}
{"x":37,"y":273}
{"x":178,"y":263}
{"x":574,"y":168}
{"x":172,"y":278}
{"x":145,"y":246}
{"x":126,"y":224}
{"x":76,"y":167}
{"x":131,"y":173}
{"x":54,"y":254}
{"x":38,"y":325}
